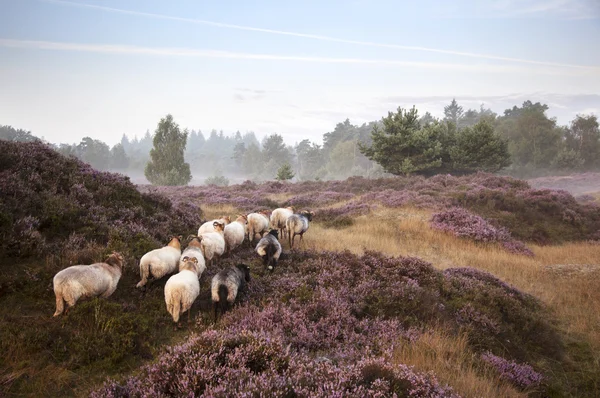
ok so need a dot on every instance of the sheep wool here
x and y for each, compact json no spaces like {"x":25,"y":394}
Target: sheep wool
{"x":279,"y":217}
{"x":209,"y":225}
{"x":182,"y":289}
{"x":160,"y":262}
{"x":269,"y":249}
{"x":258,"y":223}
{"x":194,"y":250}
{"x":226,"y":284}
{"x":77,"y":281}
{"x":297,"y":224}
{"x":235,"y":233}
{"x":213,"y":243}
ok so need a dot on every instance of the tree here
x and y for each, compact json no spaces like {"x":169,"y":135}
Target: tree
{"x":534,"y":139}
{"x":94,"y":152}
{"x":402,"y":146}
{"x":118,"y":158}
{"x":310,"y":159}
{"x":583,"y":138}
{"x":342,"y":159}
{"x":285,"y":172}
{"x":479,"y":148}
{"x":274,"y":153}
{"x":167,"y":165}
{"x":453,"y":112}
{"x":238,"y":153}
{"x":9,"y":133}
{"x":426,"y":119}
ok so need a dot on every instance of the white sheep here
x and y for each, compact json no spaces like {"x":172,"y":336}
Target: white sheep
{"x":182,"y":289}
{"x":77,"y":281}
{"x":297,"y":224}
{"x":278,"y":218}
{"x":269,"y":249}
{"x":160,"y":262}
{"x":258,"y":223}
{"x":226,"y":284}
{"x":209,"y":225}
{"x":235,"y":233}
{"x":213,"y":243}
{"x":194,"y":250}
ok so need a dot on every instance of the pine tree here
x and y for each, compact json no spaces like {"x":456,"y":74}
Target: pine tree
{"x":285,"y":172}
{"x":167,"y":165}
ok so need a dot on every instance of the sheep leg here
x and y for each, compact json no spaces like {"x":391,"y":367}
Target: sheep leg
{"x":301,"y":238}
{"x":189,"y":316}
{"x":215,"y":308}
{"x":60,"y":305}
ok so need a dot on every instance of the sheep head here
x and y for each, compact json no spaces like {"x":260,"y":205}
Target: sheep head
{"x":194,"y":240}
{"x":291,"y":208}
{"x":116,"y":259}
{"x":241,"y":218}
{"x":226,"y":219}
{"x":190,"y":264}
{"x":175,"y":241}
{"x":308,"y":214}
{"x":275,"y":233}
{"x":246,"y":270}
{"x":219,"y":226}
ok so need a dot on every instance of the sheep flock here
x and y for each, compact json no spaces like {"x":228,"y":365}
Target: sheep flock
{"x":216,"y":239}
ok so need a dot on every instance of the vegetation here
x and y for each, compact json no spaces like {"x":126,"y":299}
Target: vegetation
{"x":167,"y":166}
{"x":284,"y":173}
{"x":471,"y":140}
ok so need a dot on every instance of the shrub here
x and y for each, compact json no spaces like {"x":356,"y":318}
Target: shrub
{"x":463,"y":224}
{"x":46,"y":197}
{"x":219,"y":181}
{"x":521,"y":375}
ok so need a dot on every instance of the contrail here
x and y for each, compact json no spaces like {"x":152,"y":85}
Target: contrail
{"x":318,"y":37}
{"x":187,"y":52}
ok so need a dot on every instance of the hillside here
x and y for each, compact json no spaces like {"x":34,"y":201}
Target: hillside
{"x":404,"y":285}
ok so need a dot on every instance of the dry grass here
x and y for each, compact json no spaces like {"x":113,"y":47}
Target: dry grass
{"x":566,"y":278}
{"x":214,"y":211}
{"x":574,"y":297}
{"x":454,"y":364}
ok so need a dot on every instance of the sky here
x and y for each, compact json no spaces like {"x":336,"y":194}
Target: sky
{"x":104,"y":68}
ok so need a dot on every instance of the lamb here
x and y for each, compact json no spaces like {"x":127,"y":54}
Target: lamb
{"x":278,"y":218}
{"x":209,"y":225}
{"x":226,"y":284}
{"x":182,"y":289}
{"x":235,"y":233}
{"x":297,"y":224}
{"x":160,"y":262}
{"x":77,"y":281}
{"x":269,"y":249}
{"x":258,"y":223}
{"x":194,"y":250}
{"x":213,"y":243}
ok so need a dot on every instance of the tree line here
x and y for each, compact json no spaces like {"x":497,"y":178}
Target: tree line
{"x":523,"y":142}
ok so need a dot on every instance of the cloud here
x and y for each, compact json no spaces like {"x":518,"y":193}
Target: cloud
{"x":318,"y":37}
{"x":186,"y":52}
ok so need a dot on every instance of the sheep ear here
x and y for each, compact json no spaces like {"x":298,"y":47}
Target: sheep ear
{"x":215,"y":224}
{"x":195,"y":260}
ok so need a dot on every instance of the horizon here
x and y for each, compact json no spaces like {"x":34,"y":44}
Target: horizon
{"x":107,"y":68}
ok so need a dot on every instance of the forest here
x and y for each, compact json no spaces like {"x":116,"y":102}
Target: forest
{"x":536,"y":144}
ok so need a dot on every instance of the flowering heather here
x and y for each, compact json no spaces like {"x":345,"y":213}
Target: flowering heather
{"x":521,"y":375}
{"x":464,"y":224}
{"x":327,"y":323}
{"x":318,"y":198}
{"x":46,"y":197}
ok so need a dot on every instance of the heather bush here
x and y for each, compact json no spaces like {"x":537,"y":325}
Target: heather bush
{"x":46,"y":197}
{"x":464,"y":224}
{"x":521,"y":375}
{"x":327,"y":324}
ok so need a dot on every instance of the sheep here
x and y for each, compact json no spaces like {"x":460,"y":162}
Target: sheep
{"x":209,"y":225}
{"x":182,"y":289}
{"x":278,"y":218}
{"x":269,"y":249}
{"x":297,"y":224}
{"x":77,"y":281}
{"x":258,"y":223}
{"x":235,"y":233}
{"x":226,"y":284}
{"x":194,"y":250}
{"x":160,"y":262}
{"x":213,"y":243}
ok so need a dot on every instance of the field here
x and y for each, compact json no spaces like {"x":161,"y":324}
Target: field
{"x":472,"y":286}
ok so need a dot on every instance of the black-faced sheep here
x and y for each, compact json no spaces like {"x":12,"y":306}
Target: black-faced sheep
{"x":269,"y":249}
{"x":225,"y":286}
{"x":77,"y":281}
